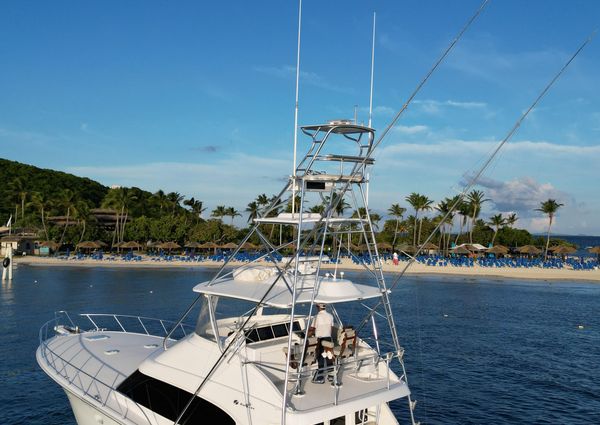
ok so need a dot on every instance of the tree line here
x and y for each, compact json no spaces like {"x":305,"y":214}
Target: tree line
{"x":60,"y":205}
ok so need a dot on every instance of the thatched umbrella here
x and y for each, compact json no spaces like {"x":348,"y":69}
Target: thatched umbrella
{"x":50,"y":244}
{"x":529,"y":249}
{"x":407,"y":248}
{"x":498,"y":249}
{"x":595,"y":250}
{"x":169,"y":245}
{"x":429,"y":246}
{"x":88,"y":245}
{"x":102,"y":244}
{"x":209,"y":245}
{"x":563,"y":249}
{"x":461,"y":250}
{"x":384,"y":246}
{"x":229,"y":245}
{"x":193,"y":245}
{"x":249,"y":246}
{"x":130,"y":245}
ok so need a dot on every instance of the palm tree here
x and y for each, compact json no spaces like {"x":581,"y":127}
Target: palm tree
{"x":262,"y":200}
{"x":39,"y":202}
{"x":549,"y":207}
{"x":511,"y":219}
{"x":253,"y":211}
{"x":195,"y":206}
{"x":119,"y":199}
{"x":475,"y":199}
{"x":445,"y":218}
{"x":396,"y":211}
{"x":496,"y":221}
{"x":161,"y":199}
{"x":82,"y":212}
{"x":319,"y":209}
{"x":219,"y":212}
{"x":340,"y":204}
{"x":66,"y":201}
{"x":297,"y":202}
{"x":19,"y":192}
{"x":232,"y":212}
{"x":424,"y":204}
{"x":174,"y":199}
{"x":413,"y":200}
{"x":463,"y":210}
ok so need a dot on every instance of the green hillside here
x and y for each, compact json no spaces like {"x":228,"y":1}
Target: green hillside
{"x":22,"y":178}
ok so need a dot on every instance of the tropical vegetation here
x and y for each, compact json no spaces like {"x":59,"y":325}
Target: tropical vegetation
{"x":69,"y":209}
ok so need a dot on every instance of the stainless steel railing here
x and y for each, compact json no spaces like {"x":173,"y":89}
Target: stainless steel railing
{"x":88,"y":382}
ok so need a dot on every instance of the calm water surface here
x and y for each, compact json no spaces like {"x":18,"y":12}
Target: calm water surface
{"x":477,"y":351}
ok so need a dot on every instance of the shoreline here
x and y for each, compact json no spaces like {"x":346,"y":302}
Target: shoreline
{"x":415,"y":269}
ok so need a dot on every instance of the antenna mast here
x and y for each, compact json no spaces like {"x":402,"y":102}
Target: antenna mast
{"x":372,"y":71}
{"x":296,"y":109}
{"x":371,"y":97}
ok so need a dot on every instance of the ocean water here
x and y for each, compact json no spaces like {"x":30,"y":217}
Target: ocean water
{"x":477,"y":351}
{"x":582,"y":242}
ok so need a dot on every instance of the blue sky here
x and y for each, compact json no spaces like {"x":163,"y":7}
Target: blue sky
{"x":198,"y":97}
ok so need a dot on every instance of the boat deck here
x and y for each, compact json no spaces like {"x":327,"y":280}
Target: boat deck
{"x":108,"y":356}
{"x":362,"y":378}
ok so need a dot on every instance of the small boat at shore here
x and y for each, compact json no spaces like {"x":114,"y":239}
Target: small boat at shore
{"x":253,"y":356}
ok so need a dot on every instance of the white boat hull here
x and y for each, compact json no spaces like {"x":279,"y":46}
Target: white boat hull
{"x":86,"y":414}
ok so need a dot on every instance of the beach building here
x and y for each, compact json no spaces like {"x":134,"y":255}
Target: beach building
{"x":20,"y":244}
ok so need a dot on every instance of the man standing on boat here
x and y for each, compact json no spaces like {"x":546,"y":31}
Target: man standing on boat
{"x":321,"y":328}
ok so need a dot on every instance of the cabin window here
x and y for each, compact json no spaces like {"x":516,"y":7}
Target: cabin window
{"x":338,"y":421}
{"x":168,"y":401}
{"x":268,"y":332}
{"x":280,"y":330}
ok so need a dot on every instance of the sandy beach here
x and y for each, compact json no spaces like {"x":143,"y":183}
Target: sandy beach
{"x":414,"y":269}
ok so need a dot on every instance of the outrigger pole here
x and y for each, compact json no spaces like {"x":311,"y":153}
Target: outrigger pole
{"x":473,"y":181}
{"x":372,"y":73}
{"x":296,"y":109}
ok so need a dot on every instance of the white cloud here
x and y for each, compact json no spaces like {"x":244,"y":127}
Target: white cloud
{"x":289,"y":72}
{"x":522,"y":195}
{"x":481,"y":147}
{"x":432,"y":106}
{"x":410,"y":129}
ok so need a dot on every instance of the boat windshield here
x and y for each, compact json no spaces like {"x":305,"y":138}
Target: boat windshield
{"x":204,"y":326}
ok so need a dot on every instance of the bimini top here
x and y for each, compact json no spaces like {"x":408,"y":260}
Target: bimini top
{"x":252,"y":285}
{"x":338,"y":127}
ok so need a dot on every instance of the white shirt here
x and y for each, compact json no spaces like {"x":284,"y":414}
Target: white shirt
{"x":323,"y":324}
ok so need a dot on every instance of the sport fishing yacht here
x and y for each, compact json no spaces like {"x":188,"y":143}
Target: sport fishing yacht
{"x":251,"y":358}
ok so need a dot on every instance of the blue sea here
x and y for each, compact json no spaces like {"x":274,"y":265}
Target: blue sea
{"x":582,"y":242}
{"x":478,"y":351}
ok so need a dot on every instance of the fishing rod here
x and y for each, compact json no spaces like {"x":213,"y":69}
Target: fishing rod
{"x":473,"y":181}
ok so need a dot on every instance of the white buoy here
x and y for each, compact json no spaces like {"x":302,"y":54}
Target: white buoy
{"x":445,"y":315}
{"x":7,"y":271}
{"x":580,"y":327}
